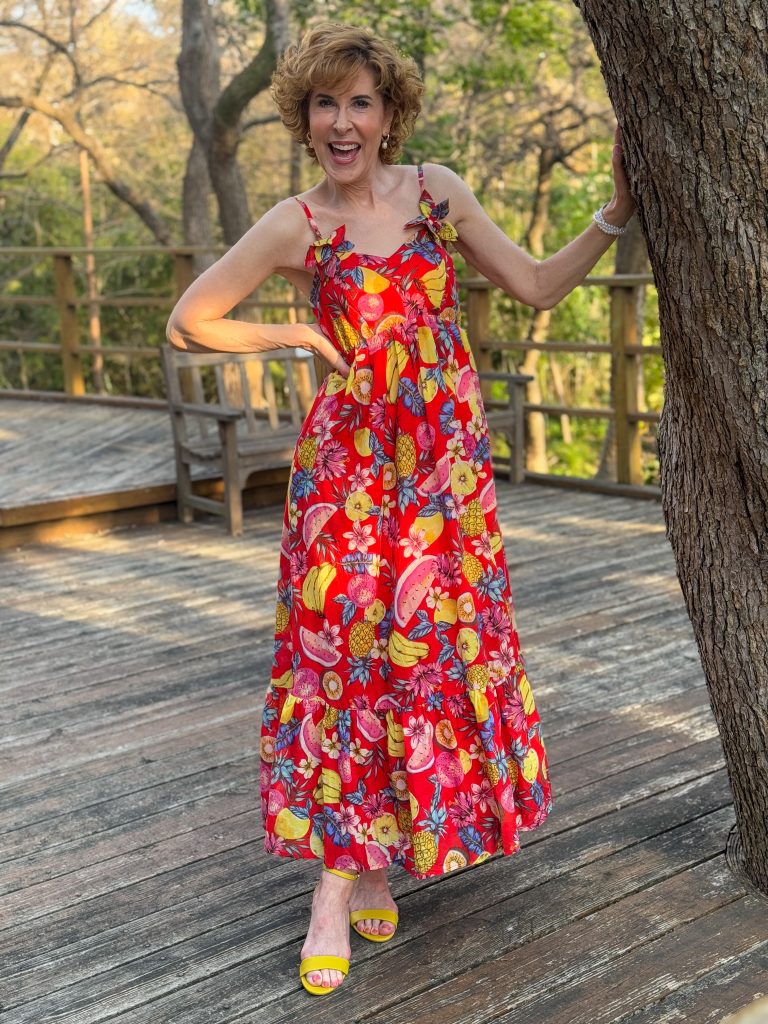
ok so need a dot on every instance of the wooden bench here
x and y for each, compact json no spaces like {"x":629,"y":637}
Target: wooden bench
{"x":226,"y":416}
{"x":507,"y":416}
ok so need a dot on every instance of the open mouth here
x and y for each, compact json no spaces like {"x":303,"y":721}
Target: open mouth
{"x":344,"y":152}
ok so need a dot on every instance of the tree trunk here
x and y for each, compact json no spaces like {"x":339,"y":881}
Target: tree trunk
{"x":689,"y":83}
{"x":198,"y":229}
{"x":215,"y":115}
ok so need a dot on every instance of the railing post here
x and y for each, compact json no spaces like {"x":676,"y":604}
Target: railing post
{"x":64,"y":284}
{"x":183,"y":271}
{"x":479,"y":328}
{"x":629,"y":468}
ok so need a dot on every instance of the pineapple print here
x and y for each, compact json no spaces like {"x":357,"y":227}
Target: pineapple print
{"x":308,"y":452}
{"x":361,"y":639}
{"x":477,"y":676}
{"x":281,"y":617}
{"x":473,"y":520}
{"x":491,"y":772}
{"x":471,"y":567}
{"x":331,"y":717}
{"x":405,"y":455}
{"x":344,"y":333}
{"x":404,"y":820}
{"x":424,"y":851}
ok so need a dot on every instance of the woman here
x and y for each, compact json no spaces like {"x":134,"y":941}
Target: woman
{"x":399,"y":726}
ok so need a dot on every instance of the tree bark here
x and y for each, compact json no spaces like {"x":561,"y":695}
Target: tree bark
{"x":689,"y":83}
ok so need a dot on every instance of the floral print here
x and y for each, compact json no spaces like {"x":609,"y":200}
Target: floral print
{"x":399,"y":726}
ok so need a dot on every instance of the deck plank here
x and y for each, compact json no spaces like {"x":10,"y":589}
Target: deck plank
{"x":136,"y":888}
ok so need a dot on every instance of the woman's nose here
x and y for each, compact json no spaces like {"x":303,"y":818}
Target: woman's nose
{"x":342,"y":121}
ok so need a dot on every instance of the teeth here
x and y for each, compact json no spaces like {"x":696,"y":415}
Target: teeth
{"x":345,"y":147}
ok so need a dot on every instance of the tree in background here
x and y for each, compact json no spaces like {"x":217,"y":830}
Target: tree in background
{"x":215,"y":115}
{"x":87,"y":68}
{"x":689,"y":82}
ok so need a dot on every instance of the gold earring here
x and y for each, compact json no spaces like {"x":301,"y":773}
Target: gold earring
{"x":385,"y":141}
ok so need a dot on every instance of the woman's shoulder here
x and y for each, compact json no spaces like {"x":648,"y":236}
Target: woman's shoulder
{"x":443,"y":183}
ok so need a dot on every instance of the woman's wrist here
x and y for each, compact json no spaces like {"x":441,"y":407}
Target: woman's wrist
{"x":618,"y":216}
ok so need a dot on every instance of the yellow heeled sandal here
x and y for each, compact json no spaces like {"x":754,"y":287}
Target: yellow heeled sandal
{"x":382,"y":913}
{"x":317,"y":963}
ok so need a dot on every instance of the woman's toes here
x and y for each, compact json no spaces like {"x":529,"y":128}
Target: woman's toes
{"x":326,"y":978}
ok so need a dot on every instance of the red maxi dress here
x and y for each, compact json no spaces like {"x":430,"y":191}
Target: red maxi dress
{"x":399,"y":725}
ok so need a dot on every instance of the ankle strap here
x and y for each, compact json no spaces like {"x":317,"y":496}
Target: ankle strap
{"x":344,"y":874}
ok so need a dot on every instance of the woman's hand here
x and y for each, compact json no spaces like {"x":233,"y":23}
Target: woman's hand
{"x":621,"y":207}
{"x":318,"y":342}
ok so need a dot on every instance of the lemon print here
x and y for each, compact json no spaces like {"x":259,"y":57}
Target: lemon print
{"x":385,"y":828}
{"x":358,"y":505}
{"x":334,"y":382}
{"x":530,"y":765}
{"x":468,"y":645}
{"x":375,"y":612}
{"x":466,"y":760}
{"x":462,"y":477}
{"x":290,"y":826}
{"x":414,"y":805}
{"x":431,"y":525}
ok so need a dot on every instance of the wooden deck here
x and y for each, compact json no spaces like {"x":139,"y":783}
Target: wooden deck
{"x":85,"y":464}
{"x":135,"y":887}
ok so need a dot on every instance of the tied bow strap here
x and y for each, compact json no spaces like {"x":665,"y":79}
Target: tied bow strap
{"x":324,"y":252}
{"x":432,"y":216}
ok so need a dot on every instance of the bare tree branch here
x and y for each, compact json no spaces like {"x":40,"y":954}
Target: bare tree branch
{"x":69,"y":122}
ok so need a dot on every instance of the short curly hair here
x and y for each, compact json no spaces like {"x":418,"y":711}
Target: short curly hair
{"x":328,"y":56}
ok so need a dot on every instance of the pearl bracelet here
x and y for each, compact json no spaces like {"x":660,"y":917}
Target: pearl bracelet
{"x":602,"y":223}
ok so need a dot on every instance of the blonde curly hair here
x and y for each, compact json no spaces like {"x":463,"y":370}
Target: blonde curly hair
{"x":328,"y":56}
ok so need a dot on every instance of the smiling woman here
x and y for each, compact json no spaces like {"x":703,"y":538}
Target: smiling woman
{"x":399,"y":725}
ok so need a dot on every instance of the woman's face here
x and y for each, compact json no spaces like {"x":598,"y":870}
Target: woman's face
{"x":346,"y":125}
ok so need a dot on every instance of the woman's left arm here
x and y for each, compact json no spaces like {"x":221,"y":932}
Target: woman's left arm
{"x":538,"y":283}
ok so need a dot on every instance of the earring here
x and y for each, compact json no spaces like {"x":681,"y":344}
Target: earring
{"x":309,"y":141}
{"x":385,"y":141}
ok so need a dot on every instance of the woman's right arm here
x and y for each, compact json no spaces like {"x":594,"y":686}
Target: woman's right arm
{"x":275,"y":244}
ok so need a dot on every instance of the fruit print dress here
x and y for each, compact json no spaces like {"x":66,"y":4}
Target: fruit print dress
{"x":399,"y":725}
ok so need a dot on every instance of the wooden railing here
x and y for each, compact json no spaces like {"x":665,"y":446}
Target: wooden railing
{"x":624,"y":347}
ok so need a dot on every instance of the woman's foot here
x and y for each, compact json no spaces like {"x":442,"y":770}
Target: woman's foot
{"x":329,"y":926}
{"x":372,"y":890}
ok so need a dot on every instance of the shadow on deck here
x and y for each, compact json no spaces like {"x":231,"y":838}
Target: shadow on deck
{"x":135,"y":886}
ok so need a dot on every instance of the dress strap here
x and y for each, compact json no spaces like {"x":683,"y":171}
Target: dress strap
{"x":312,"y":222}
{"x":421,"y":177}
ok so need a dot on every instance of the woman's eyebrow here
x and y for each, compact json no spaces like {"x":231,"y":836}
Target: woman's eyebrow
{"x":328,"y":96}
